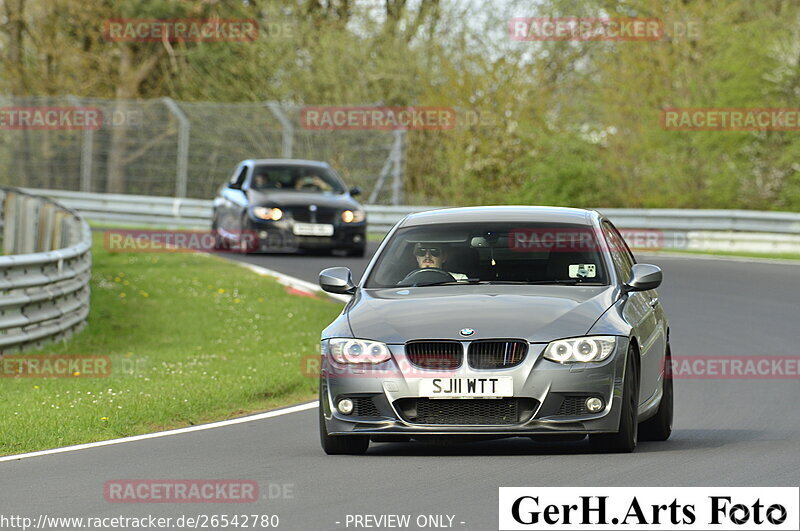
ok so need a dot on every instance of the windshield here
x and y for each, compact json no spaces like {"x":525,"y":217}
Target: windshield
{"x":296,"y":179}
{"x":491,"y":253}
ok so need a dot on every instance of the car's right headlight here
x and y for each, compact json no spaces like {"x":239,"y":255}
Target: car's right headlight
{"x":268,"y":213}
{"x":580,"y":349}
{"x":345,"y":350}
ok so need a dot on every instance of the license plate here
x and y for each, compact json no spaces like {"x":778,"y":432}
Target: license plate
{"x":312,"y":229}
{"x":488,"y":387}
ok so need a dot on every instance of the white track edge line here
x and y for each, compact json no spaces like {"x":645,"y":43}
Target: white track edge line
{"x":288,"y":280}
{"x":159,"y":434}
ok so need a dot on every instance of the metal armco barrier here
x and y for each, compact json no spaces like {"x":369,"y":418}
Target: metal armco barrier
{"x":721,"y":230}
{"x":44,"y":273}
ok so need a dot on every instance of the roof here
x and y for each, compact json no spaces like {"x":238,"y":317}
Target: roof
{"x":502,"y":213}
{"x":289,"y":162}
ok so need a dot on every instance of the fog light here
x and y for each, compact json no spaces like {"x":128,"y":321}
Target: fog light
{"x":357,"y":238}
{"x":593,"y":404}
{"x":345,"y":406}
{"x":263,"y":235}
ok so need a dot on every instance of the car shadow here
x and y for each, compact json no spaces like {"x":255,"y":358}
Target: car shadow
{"x":681,"y":440}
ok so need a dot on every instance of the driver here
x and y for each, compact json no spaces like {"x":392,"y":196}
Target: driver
{"x":432,"y":255}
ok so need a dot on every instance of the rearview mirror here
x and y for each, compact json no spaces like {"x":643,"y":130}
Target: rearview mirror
{"x":337,"y":280}
{"x":644,"y":277}
{"x":354,"y":191}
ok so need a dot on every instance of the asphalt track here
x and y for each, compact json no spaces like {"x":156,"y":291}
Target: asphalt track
{"x":727,"y":432}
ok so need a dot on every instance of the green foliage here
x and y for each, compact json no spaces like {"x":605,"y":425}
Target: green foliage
{"x":561,"y":122}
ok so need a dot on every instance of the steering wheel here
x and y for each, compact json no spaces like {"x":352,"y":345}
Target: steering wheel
{"x":427,"y":275}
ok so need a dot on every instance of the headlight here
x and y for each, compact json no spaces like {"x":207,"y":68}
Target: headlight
{"x":580,"y":349}
{"x":268,"y":213}
{"x":353,"y":216}
{"x":345,"y":350}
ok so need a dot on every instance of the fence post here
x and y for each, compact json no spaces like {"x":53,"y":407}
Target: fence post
{"x":87,"y":143}
{"x":287,"y":129}
{"x":397,"y":170}
{"x":183,"y":146}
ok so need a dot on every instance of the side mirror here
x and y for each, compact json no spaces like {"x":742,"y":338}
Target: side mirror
{"x":354,"y":191}
{"x":644,"y":277}
{"x":337,"y":280}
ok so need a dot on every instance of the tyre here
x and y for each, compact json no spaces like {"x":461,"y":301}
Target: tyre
{"x":624,"y":440}
{"x":218,"y":241}
{"x":246,"y":243}
{"x":356,"y":251}
{"x":659,"y":427}
{"x":341,"y":444}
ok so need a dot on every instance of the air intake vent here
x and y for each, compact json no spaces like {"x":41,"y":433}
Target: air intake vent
{"x":441,"y":355}
{"x":496,"y":354}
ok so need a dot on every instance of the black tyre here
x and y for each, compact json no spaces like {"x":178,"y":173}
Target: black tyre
{"x":246,"y":243}
{"x":341,"y":444}
{"x":218,"y":241}
{"x":659,"y":427}
{"x":356,"y":251}
{"x":624,"y":440}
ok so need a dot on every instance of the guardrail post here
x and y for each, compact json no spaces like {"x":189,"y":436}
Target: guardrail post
{"x":397,"y":170}
{"x":287,"y":129}
{"x":183,"y":146}
{"x":87,"y":144}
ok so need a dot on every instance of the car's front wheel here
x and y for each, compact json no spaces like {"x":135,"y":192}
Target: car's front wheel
{"x":356,"y":251}
{"x":659,"y":428}
{"x":624,"y":440}
{"x":341,"y":444}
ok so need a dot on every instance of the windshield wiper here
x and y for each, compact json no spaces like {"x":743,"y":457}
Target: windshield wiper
{"x":473,"y":281}
{"x":452,"y":282}
{"x":569,"y":282}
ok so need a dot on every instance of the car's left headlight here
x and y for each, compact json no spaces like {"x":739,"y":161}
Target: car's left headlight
{"x":580,"y":349}
{"x":345,"y":350}
{"x":353,"y":216}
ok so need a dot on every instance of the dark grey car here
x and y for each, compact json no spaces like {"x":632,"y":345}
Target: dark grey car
{"x":493,"y":322}
{"x":287,"y":205}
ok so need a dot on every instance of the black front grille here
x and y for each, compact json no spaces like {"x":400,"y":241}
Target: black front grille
{"x":477,"y":411}
{"x":441,"y":355}
{"x":496,"y":354}
{"x":304,"y":215}
{"x":364,"y":406}
{"x":574,"y":405}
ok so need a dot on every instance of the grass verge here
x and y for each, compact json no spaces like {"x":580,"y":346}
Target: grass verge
{"x":739,"y":254}
{"x":192,"y":338}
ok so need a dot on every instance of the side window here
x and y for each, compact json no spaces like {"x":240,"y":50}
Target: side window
{"x":237,"y":179}
{"x":620,"y":254}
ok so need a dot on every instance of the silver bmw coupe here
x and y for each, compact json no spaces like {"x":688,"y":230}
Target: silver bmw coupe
{"x":506,"y":321}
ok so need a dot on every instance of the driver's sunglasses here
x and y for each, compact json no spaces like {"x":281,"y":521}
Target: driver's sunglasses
{"x":422,"y":251}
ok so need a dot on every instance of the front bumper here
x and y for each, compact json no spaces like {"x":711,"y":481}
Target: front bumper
{"x":545,"y":393}
{"x":279,"y":236}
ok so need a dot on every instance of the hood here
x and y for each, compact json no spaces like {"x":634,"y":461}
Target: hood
{"x":280,"y":199}
{"x":537,"y":313}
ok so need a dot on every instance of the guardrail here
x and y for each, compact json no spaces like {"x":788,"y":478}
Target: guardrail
{"x":736,"y":230}
{"x":45,"y":273}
